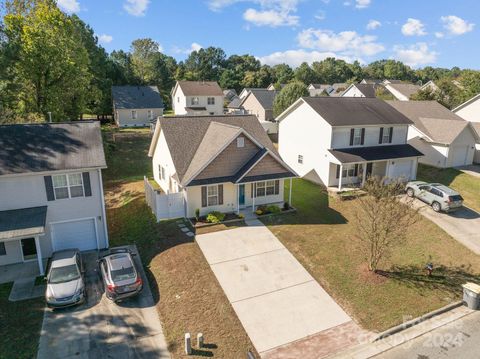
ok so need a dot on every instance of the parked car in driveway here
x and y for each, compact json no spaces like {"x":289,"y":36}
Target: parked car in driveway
{"x":65,"y":279}
{"x":119,"y":274}
{"x":439,"y":196}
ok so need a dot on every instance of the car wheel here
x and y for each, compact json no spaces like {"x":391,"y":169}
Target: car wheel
{"x":410,"y":192}
{"x":436,"y":206}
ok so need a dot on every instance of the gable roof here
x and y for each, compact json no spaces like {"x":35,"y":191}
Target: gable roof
{"x":200,"y":88}
{"x":432,"y":119}
{"x":405,"y":89}
{"x":319,"y":86}
{"x":235,"y":102}
{"x":264,"y":97}
{"x":476,"y":127}
{"x":45,"y":147}
{"x":133,"y":97}
{"x":355,"y":111}
{"x":368,"y":90}
{"x":194,"y":140}
{"x":466,"y":103}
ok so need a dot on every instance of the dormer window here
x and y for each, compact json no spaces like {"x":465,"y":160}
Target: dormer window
{"x":240,"y":142}
{"x":195,"y":101}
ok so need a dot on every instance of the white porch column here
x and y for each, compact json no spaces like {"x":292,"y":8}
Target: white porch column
{"x":340,"y":178}
{"x":253,"y":196}
{"x":364,"y":174}
{"x":290,"y":194}
{"x":39,"y":255}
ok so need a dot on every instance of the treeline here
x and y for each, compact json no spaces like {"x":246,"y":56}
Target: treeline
{"x":51,"y":62}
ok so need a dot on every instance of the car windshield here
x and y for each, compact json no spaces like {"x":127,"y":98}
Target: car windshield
{"x":119,"y":275}
{"x":63,"y":274}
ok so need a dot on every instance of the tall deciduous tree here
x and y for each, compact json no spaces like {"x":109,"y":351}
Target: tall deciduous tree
{"x":144,"y":53}
{"x":288,"y":95}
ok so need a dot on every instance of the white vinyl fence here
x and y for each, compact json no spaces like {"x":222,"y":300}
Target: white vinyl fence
{"x":164,"y":206}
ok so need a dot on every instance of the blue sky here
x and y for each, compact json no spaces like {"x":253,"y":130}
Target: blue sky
{"x":418,"y":32}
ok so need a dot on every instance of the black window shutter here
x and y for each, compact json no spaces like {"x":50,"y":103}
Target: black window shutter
{"x":49,"y":188}
{"x":363,"y":136}
{"x":220,"y":194}
{"x":86,"y":184}
{"x":390,"y":135}
{"x":352,"y":133}
{"x":380,"y":138}
{"x":277,"y":187}
{"x":204,"y":196}
{"x":355,"y":174}
{"x":338,"y":171}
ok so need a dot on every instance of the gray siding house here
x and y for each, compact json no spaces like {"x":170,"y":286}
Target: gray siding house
{"x":51,"y":190}
{"x":136,"y":105}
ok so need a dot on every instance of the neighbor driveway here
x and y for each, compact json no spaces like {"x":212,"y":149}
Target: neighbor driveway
{"x":103,"y":329}
{"x":463,"y":224}
{"x":275,"y":298}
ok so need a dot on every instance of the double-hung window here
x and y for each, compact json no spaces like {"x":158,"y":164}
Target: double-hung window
{"x":212,"y":195}
{"x":386,"y":135}
{"x":195,"y":101}
{"x":260,"y":189}
{"x":349,"y":171}
{"x":150,"y":114}
{"x":300,"y":159}
{"x":357,"y":136}
{"x":134,"y":114}
{"x":161,"y":172}
{"x":267,"y":188}
{"x":211,"y":100}
{"x":68,"y":186}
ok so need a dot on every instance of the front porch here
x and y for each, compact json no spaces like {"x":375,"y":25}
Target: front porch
{"x":250,"y":195}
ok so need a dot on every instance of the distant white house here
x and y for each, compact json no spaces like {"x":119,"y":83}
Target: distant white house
{"x":360,"y":90}
{"x":136,"y":105}
{"x":340,"y":141}
{"x":470,"y":111}
{"x":197,"y":98}
{"x":445,"y":139}
{"x":318,"y":89}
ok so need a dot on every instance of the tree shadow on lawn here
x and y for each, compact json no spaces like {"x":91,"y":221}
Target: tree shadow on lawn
{"x":445,"y":279}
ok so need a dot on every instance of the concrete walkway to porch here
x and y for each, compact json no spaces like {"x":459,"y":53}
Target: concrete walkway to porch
{"x":23,"y":276}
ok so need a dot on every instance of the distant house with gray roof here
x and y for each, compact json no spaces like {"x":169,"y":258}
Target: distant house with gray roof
{"x":259,"y":102}
{"x":445,"y":139}
{"x":401,"y":90}
{"x":136,"y":105}
{"x":51,"y":191}
{"x":360,"y":90}
{"x":197,"y":98}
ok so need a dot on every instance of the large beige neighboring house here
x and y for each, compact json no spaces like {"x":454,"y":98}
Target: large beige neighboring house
{"x":218,"y":163}
{"x":445,"y":139}
{"x":197,"y":98}
{"x":259,"y":102}
{"x":136,"y":105}
{"x":470,"y":111}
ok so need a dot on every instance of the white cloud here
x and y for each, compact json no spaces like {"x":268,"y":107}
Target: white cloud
{"x":321,"y":15}
{"x":347,"y":42}
{"x":362,"y":4}
{"x":273,"y":18}
{"x":195,"y":46}
{"x":69,"y":6}
{"x":415,"y":55}
{"x":105,"y":39}
{"x":136,"y":7}
{"x":439,"y":35}
{"x":295,"y":57}
{"x":455,"y":25}
{"x":413,"y":27}
{"x":373,"y":24}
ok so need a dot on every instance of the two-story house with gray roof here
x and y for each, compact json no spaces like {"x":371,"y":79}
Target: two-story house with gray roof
{"x":197,"y":98}
{"x":136,"y":106}
{"x":340,"y":141}
{"x":51,"y":194}
{"x":218,"y":163}
{"x":259,"y":102}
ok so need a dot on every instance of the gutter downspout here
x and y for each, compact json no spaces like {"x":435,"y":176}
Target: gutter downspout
{"x":103,"y":207}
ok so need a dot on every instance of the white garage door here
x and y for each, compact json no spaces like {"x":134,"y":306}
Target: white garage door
{"x":401,"y":169}
{"x":77,"y":234}
{"x":458,"y":155}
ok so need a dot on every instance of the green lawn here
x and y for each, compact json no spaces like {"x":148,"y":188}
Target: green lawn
{"x":20,"y":327}
{"x":467,"y":185}
{"x":187,"y":294}
{"x":322,"y":237}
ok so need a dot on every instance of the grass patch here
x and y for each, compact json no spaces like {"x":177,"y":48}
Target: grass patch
{"x":21,"y":325}
{"x":187,"y":294}
{"x":467,"y":185}
{"x":322,"y":237}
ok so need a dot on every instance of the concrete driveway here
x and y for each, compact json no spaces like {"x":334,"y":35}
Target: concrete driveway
{"x":463,"y":224}
{"x":275,"y":298}
{"x":102,"y":329}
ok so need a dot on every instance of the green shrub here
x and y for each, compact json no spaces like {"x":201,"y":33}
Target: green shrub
{"x":215,"y":217}
{"x":286,"y":206}
{"x":273,"y":209}
{"x":197,"y":214}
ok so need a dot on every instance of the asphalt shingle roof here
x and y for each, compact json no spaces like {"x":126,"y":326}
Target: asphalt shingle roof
{"x":405,"y":89}
{"x":136,"y":97}
{"x":356,"y":111}
{"x":368,"y":90}
{"x":265,"y":97}
{"x":22,"y":222}
{"x":44,"y":147}
{"x":200,"y":88}
{"x":375,"y":153}
{"x":433,"y":119}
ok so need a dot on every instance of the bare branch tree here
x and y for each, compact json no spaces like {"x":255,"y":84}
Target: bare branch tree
{"x":382,"y":219}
